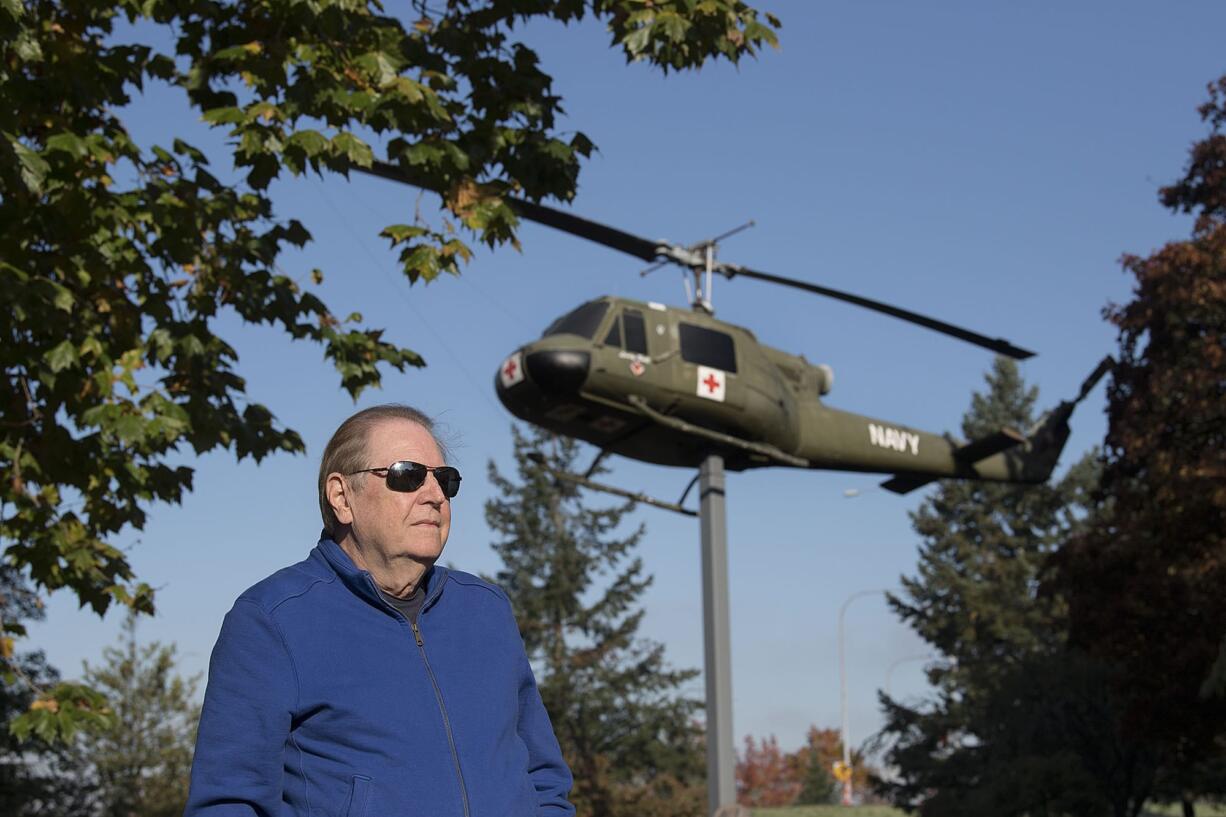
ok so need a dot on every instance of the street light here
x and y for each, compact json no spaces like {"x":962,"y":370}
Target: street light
{"x":847,"y":787}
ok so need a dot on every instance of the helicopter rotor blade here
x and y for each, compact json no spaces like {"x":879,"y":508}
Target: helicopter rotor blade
{"x":599,"y":233}
{"x":591,"y":230}
{"x":998,"y":345}
{"x":647,"y":250}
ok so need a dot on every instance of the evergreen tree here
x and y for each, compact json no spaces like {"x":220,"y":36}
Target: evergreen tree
{"x":816,"y":785}
{"x":141,"y":765}
{"x":619,"y":712}
{"x":36,"y":777}
{"x":823,"y":747}
{"x":1020,"y":723}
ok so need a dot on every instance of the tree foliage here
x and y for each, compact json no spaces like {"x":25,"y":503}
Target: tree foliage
{"x":767,"y":776}
{"x":1020,"y":723}
{"x":118,"y":259}
{"x":813,"y":764}
{"x":621,"y":715}
{"x":37,"y":777}
{"x":764,"y":777}
{"x":141,"y":763}
{"x":1145,"y":582}
{"x":137,"y":762}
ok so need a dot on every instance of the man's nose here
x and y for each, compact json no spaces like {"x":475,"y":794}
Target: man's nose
{"x":432,"y":490}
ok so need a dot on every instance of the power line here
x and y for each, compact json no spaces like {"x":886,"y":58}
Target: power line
{"x":356,"y":236}
{"x":518,"y":321}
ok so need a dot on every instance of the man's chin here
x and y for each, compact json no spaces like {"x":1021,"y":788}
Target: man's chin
{"x":426,"y":552}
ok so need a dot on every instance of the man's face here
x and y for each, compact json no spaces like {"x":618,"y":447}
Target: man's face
{"x":395,"y":524}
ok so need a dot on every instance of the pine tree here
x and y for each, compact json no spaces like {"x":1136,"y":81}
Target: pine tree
{"x":984,"y":546}
{"x":816,"y":785}
{"x":140,"y":767}
{"x":814,"y":761}
{"x":618,"y":709}
{"x":1020,"y":723}
{"x":36,"y":777}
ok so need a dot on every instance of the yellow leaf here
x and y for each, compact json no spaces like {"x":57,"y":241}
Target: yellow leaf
{"x":49,"y":704}
{"x":6,"y":647}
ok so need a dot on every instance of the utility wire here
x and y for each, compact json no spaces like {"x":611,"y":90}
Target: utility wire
{"x":518,"y":321}
{"x":357,"y":238}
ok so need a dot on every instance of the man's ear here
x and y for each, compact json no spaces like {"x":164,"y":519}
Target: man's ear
{"x":338,"y":492}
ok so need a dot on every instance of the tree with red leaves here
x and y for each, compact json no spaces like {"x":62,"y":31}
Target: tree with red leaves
{"x":764,"y":777}
{"x":1147,"y":582}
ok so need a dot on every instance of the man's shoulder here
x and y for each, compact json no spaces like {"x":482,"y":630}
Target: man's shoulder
{"x":287,"y":583}
{"x":476,"y":584}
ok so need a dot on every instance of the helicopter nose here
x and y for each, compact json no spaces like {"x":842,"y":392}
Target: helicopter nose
{"x":558,"y":371}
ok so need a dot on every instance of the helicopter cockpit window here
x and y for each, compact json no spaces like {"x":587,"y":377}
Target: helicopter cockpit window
{"x":614,"y":338}
{"x":636,"y":331}
{"x":707,"y":347}
{"x":583,"y":321}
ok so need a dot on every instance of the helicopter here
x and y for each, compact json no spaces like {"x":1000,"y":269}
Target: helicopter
{"x":680,"y":387}
{"x":671,"y":386}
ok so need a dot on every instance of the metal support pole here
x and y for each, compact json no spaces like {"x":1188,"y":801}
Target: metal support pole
{"x":717,"y":635}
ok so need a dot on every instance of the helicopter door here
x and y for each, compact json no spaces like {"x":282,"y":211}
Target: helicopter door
{"x":708,"y":371}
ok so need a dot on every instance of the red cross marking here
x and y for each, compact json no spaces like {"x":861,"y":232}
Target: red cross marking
{"x":509,"y":371}
{"x":712,"y":383}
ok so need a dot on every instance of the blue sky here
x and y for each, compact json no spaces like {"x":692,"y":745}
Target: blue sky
{"x":986,"y":163}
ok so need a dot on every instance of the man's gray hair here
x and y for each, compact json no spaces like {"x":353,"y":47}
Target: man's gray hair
{"x":346,"y":451}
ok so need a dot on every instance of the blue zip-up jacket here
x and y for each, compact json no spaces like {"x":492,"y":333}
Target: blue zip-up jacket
{"x":323,"y":701}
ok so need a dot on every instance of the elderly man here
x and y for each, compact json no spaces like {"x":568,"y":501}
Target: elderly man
{"x":366,"y":681}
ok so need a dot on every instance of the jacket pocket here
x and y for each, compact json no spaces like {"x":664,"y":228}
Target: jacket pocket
{"x":359,"y":793}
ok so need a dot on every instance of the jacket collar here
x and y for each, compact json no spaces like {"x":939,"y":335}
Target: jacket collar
{"x":360,"y":581}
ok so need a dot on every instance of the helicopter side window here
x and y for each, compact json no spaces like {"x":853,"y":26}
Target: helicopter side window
{"x":707,"y":347}
{"x":583,"y":321}
{"x":636,"y":331}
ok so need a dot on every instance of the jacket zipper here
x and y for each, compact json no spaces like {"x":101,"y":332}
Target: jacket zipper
{"x":438,"y":694}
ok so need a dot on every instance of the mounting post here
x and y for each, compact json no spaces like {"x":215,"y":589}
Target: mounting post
{"x":717,"y":635}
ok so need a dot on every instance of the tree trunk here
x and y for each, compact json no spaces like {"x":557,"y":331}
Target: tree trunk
{"x":1189,"y":808}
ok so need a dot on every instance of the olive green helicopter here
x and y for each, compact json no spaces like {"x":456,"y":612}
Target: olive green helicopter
{"x":672,"y":386}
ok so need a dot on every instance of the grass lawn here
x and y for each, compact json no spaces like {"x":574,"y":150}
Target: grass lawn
{"x":1173,"y":810}
{"x":830,"y":811}
{"x":1202,"y":810}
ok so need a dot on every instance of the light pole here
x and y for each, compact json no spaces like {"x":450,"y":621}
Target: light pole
{"x":847,"y":788}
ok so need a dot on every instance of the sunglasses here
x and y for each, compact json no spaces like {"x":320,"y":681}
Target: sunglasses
{"x":406,"y":476}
